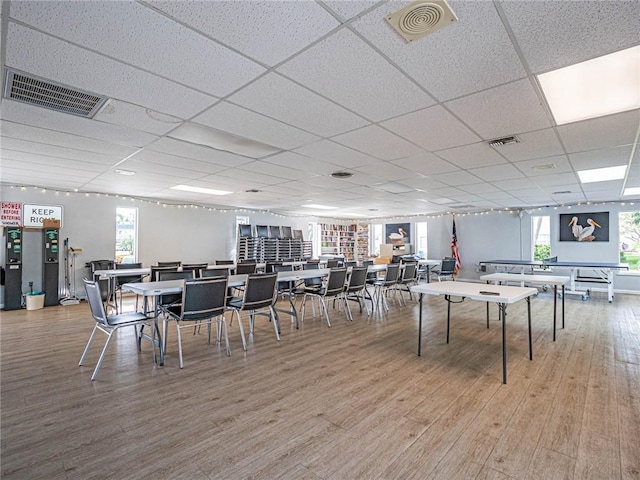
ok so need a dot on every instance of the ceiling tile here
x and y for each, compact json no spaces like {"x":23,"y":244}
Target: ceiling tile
{"x":561,"y":163}
{"x":378,"y":143}
{"x":157,"y":158}
{"x":426,"y":164}
{"x":348,"y":10}
{"x":597,"y":158}
{"x":300,"y":162}
{"x":344,"y":69}
{"x":266,"y":31}
{"x":472,"y":156}
{"x":179,"y":148}
{"x":77,"y":157}
{"x":284,"y":100}
{"x":476,"y":40}
{"x":603,"y":132}
{"x":336,"y":154}
{"x":245,"y":123}
{"x":557,"y":179}
{"x":386,"y":171}
{"x":460,"y":178}
{"x":173,"y":51}
{"x":555,"y":34}
{"x":136,"y":117}
{"x":31,"y":52}
{"x":432,"y":128}
{"x":511,"y":109}
{"x":539,"y":144}
{"x":497,"y":172}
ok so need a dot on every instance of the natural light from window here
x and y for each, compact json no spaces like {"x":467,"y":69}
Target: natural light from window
{"x":126,"y":235}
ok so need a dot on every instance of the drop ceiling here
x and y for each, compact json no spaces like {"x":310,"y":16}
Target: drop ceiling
{"x":327,"y":86}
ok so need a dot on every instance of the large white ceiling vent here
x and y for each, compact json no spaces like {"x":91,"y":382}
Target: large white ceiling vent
{"x":30,"y":89}
{"x":421,"y":18}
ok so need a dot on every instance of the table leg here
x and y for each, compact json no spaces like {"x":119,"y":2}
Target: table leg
{"x":420,"y":326}
{"x":555,"y":302}
{"x":503,"y":314}
{"x":529,"y":319}
{"x":448,"y":299}
{"x":563,"y":295}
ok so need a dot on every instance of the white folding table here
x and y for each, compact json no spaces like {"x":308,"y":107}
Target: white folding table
{"x":502,"y":295}
{"x":543,"y":280}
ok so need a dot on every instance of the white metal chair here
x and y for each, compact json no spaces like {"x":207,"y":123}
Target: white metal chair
{"x":109,"y":324}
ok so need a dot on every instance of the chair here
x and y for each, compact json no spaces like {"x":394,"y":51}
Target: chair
{"x":194,"y":267}
{"x":355,"y":288}
{"x":214,"y":272}
{"x":333,"y":263}
{"x":165,"y":301}
{"x":246,"y":268}
{"x":269,"y":266}
{"x":447,"y":268}
{"x":224,"y":262}
{"x":156,"y":269}
{"x":334,"y":288}
{"x":259,"y":294}
{"x":121,"y":280}
{"x":350,"y":264}
{"x":389,"y":282}
{"x":169,"y":264}
{"x":108,"y":324}
{"x":408,"y":278}
{"x":202,"y":301}
{"x":101,"y":265}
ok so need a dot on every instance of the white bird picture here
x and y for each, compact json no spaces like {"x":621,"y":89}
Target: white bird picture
{"x":583,"y":234}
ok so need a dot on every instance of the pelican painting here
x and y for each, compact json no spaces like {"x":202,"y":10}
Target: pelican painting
{"x":398,"y":233}
{"x":583,"y":234}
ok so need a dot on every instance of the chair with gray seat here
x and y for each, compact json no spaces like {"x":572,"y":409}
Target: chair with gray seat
{"x":195,"y":267}
{"x":203,"y":301}
{"x":214,"y":272}
{"x":121,"y":280}
{"x":386,"y":285}
{"x":447,"y":269}
{"x":408,"y":278}
{"x":259,"y":295}
{"x":355,"y":288}
{"x":170,"y":264}
{"x":334,"y":288}
{"x":108,"y":324}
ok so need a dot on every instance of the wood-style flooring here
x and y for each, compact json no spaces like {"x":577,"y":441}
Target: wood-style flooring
{"x":353,"y":401}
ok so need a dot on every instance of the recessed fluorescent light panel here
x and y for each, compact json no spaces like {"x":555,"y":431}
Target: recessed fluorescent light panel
{"x":208,"y":191}
{"x":597,"y":87}
{"x":631,"y":191}
{"x":211,"y":137}
{"x":602,"y":174}
{"x":318,"y":207}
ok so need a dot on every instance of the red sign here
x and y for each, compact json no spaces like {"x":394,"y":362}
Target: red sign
{"x":11,"y":214}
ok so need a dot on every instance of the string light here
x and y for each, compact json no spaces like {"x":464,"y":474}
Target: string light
{"x":508,"y":210}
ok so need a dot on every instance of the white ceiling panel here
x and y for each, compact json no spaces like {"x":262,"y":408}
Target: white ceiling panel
{"x":136,"y":117}
{"x":497,"y":172}
{"x":584,"y":30}
{"x":90,"y":159}
{"x":158,"y":158}
{"x":282,"y":30}
{"x":603,"y":132}
{"x":331,"y":87}
{"x":278,"y":97}
{"x":174,"y":51}
{"x":198,"y":152}
{"x":435,"y":60}
{"x":426,"y":164}
{"x":356,"y":77}
{"x":83,"y":127}
{"x":248,"y":124}
{"x":30,"y":51}
{"x":514,"y":108}
{"x":378,"y":143}
{"x":472,"y":156}
{"x":51,"y":137}
{"x":336,"y":154}
{"x":538,"y":144}
{"x":432,"y":128}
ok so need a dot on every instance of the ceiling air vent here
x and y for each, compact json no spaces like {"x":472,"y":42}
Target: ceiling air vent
{"x":30,"y":89}
{"x":499,"y":142}
{"x":342,"y":174}
{"x":421,"y":18}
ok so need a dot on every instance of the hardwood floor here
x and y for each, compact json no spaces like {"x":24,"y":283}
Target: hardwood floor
{"x":353,"y":401}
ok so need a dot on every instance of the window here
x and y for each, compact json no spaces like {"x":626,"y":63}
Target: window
{"x":541,"y":237}
{"x":629,"y":223}
{"x":126,"y":235}
{"x":421,"y":239}
{"x":377,"y":237}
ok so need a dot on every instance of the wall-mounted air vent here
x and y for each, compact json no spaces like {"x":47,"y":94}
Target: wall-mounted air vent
{"x":421,"y":18}
{"x":30,"y":89}
{"x":499,"y":142}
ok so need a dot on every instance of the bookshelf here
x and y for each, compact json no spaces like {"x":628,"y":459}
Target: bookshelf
{"x":336,"y":239}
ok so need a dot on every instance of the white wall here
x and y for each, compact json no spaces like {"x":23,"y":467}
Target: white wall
{"x":164,"y":233}
{"x":199,"y":235}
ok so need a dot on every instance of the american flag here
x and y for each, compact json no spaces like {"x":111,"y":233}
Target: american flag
{"x":455,"y":253}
